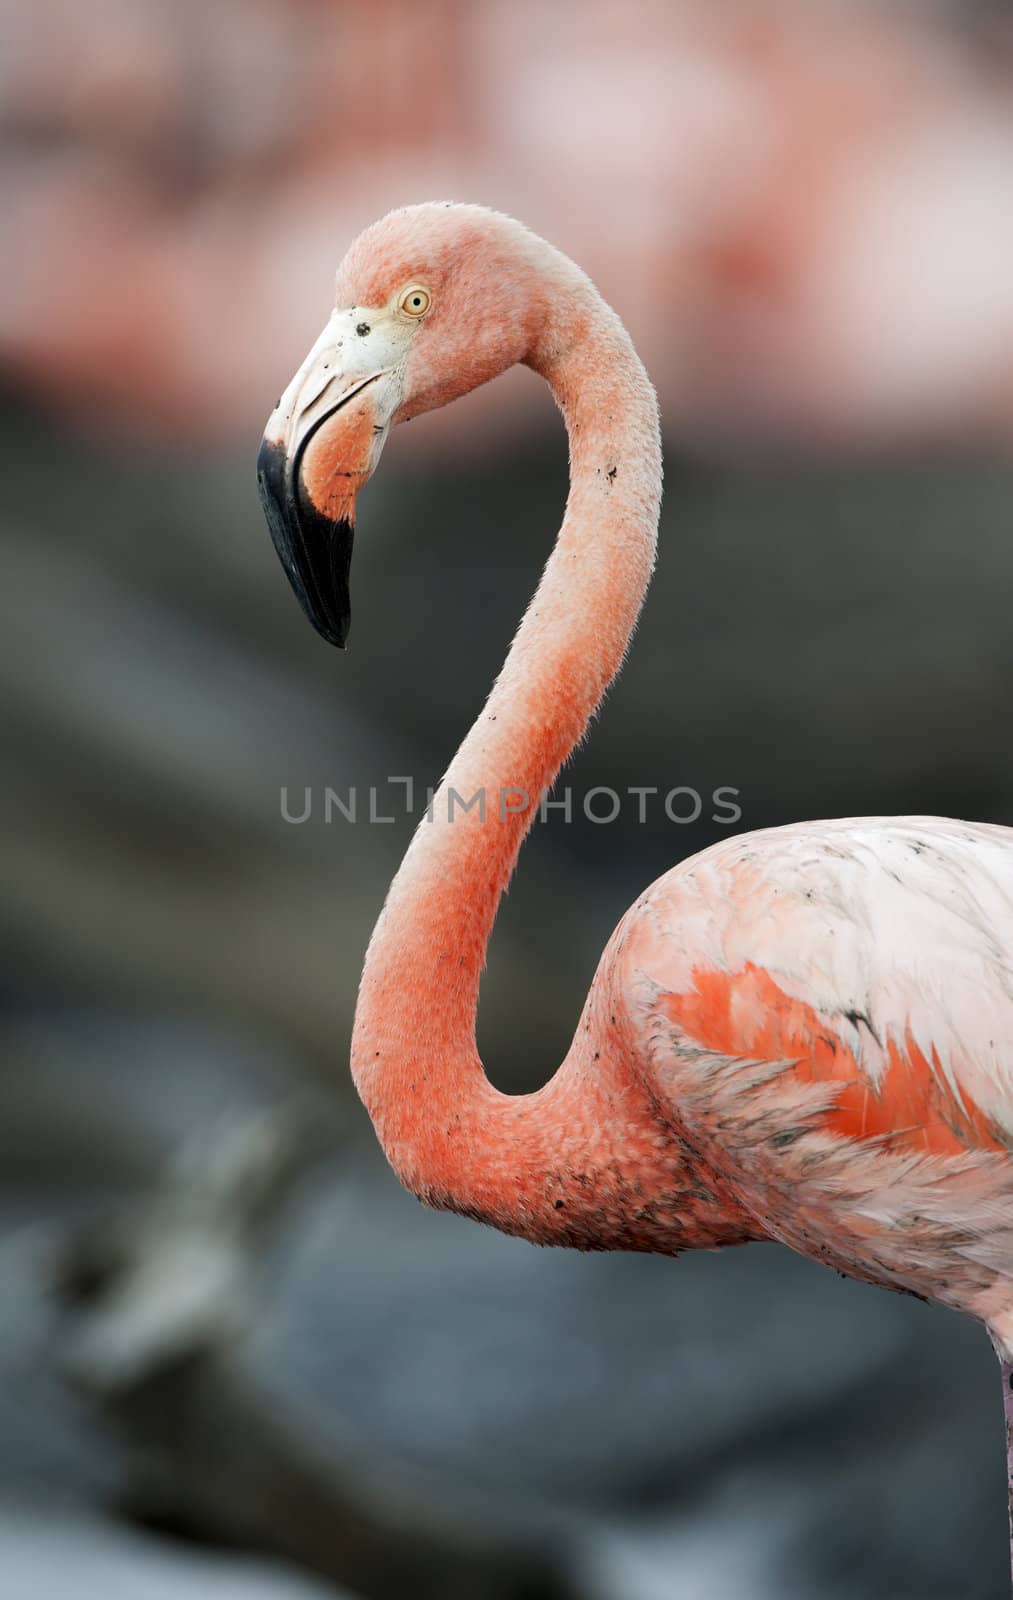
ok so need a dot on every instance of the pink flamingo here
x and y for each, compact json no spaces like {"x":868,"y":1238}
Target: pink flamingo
{"x":803,"y":1034}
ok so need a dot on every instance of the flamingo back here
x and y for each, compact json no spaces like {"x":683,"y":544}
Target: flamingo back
{"x":826,"y":1012}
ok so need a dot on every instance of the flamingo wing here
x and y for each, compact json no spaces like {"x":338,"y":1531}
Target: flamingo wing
{"x":826,"y":1011}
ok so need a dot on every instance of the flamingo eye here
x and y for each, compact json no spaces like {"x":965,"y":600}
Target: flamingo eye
{"x":415,"y":302}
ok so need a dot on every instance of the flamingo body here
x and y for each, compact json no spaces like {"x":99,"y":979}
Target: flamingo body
{"x":825,"y":1014}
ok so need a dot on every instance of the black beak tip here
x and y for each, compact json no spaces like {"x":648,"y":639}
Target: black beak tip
{"x":315,"y":553}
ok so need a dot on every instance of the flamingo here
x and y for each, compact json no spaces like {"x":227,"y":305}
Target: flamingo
{"x":803,"y":1033}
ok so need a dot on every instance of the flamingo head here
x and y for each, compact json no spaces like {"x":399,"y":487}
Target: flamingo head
{"x":431,"y":301}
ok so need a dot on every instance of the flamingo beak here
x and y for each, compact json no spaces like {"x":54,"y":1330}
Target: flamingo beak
{"x":322,"y":443}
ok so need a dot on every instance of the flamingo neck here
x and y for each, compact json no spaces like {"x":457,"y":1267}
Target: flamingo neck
{"x":452,"y":1137}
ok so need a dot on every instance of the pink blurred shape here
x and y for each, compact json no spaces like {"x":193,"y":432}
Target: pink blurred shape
{"x":802,"y":209}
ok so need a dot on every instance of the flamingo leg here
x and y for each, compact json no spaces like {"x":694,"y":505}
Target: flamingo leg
{"x":1007,"y":1405}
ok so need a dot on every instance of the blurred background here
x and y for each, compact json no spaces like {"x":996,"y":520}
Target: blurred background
{"x":234,"y":1358}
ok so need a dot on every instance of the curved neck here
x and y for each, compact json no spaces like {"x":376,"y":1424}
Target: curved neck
{"x":451,"y":1137}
